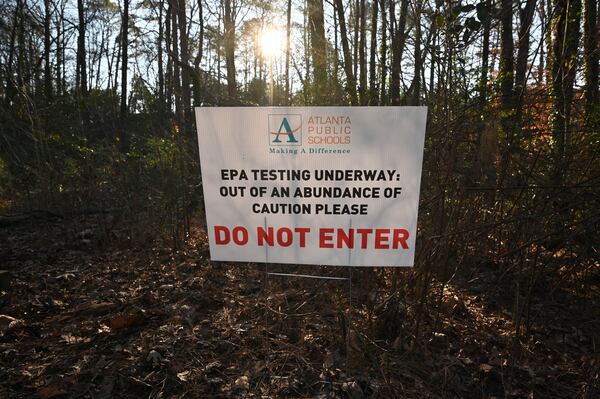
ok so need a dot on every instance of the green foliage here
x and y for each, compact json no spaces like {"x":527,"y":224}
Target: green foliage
{"x":154,"y":152}
{"x":257,"y":92}
{"x":142,"y":98}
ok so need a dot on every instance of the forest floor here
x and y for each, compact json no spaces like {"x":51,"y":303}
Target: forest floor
{"x":83,"y":318}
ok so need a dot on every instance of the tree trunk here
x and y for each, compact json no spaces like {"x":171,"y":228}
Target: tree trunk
{"x":591,"y":57}
{"x":398,"y":40}
{"x":336,"y":50}
{"x":356,"y":32}
{"x":434,"y":40}
{"x":288,"y":30}
{"x":124,"y":55}
{"x":521,"y":71}
{"x":81,"y":68}
{"x":175,"y":65}
{"x":59,"y":22}
{"x":416,"y":83}
{"x":541,"y":69}
{"x":384,"y":50}
{"x":362,"y":59}
{"x":196,"y":74}
{"x":17,"y":21}
{"x":373,"y":97}
{"x":170,"y":72}
{"x":47,"y":47}
{"x":219,"y":54}
{"x":123,"y":139}
{"x":159,"y":45}
{"x":350,"y":80}
{"x":116,"y":61}
{"x":318,"y":46}
{"x":548,"y":41}
{"x":200,"y":53}
{"x":306,"y":47}
{"x":20,"y":48}
{"x":485,"y":55}
{"x":564,"y":65}
{"x":229,"y":41}
{"x":185,"y":75}
{"x":507,"y":70}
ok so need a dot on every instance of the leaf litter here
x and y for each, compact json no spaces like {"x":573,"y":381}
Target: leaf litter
{"x":153,"y":322}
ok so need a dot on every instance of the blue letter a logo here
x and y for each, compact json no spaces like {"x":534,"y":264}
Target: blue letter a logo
{"x":285,"y":128}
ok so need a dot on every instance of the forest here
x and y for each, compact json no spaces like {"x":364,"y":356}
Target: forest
{"x":106,"y":284}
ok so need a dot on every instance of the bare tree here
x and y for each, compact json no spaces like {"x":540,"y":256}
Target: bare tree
{"x":521,"y":70}
{"x":47,"y":49}
{"x":415,"y":87}
{"x":485,"y":51}
{"x":507,"y":63}
{"x":185,"y":61}
{"x":373,"y":95}
{"x":398,"y":35}
{"x":383,"y":51}
{"x":350,"y":79}
{"x":362,"y":59}
{"x":123,"y":137}
{"x":229,"y":41}
{"x":159,"y":46}
{"x":567,"y":19}
{"x":591,"y":56}
{"x":318,"y":45}
{"x":288,"y":32}
{"x":81,"y":68}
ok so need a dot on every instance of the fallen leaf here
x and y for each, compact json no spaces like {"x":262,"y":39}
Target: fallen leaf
{"x":50,"y":392}
{"x":486,"y":368}
{"x":9,"y":322}
{"x":127,"y":320}
{"x":184,"y":375}
{"x":242,"y":383}
{"x":5,"y":321}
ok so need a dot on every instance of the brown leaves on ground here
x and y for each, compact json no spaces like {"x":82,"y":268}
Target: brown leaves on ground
{"x":50,"y":391}
{"x":134,"y":323}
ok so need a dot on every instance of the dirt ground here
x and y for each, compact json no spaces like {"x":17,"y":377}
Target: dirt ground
{"x":84,"y":318}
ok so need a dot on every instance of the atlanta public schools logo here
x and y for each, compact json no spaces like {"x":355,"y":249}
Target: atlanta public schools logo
{"x":285,"y":130}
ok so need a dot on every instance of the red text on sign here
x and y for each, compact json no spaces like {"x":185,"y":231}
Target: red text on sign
{"x":283,"y":235}
{"x":363,"y":238}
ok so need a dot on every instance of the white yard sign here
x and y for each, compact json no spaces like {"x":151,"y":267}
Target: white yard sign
{"x":314,"y":185}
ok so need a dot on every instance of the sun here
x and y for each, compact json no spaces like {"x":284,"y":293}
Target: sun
{"x":272,"y":42}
